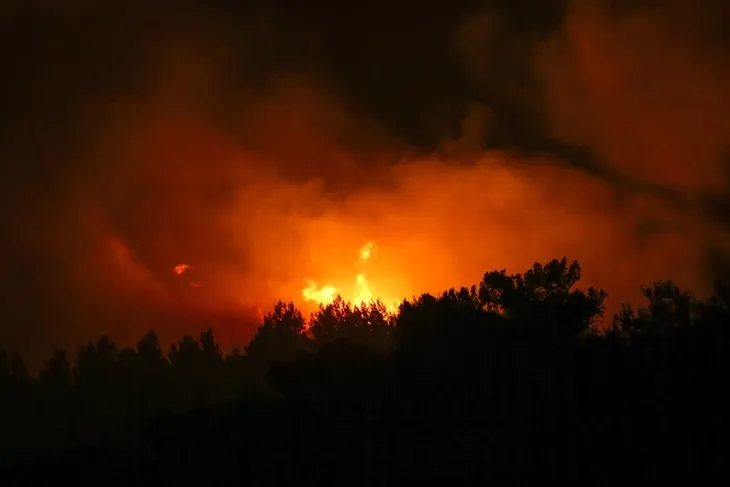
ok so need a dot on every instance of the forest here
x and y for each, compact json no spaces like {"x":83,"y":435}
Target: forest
{"x":518,"y":379}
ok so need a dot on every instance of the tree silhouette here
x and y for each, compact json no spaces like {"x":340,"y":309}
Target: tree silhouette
{"x":545,"y":297}
{"x":368,"y":324}
{"x":12,"y":367}
{"x":145,"y":375}
{"x":280,"y":336}
{"x":510,"y":380}
{"x":56,"y":377}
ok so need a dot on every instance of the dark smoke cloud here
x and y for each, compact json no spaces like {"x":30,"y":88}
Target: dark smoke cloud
{"x":644,"y":87}
{"x":263,"y":145}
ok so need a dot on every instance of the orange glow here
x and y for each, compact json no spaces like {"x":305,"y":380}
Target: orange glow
{"x":362,"y":290}
{"x":361,"y":293}
{"x":365,"y":251}
{"x":181,"y":269}
{"x":324,"y":295}
{"x":276,"y":202}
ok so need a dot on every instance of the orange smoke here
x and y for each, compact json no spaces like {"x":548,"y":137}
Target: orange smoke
{"x":258,"y":233}
{"x":645,"y":89}
{"x":271,"y":188}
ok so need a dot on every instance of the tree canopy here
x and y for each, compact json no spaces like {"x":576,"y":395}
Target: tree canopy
{"x":518,"y":377}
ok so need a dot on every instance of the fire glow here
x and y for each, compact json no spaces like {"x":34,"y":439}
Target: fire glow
{"x":361,"y":295}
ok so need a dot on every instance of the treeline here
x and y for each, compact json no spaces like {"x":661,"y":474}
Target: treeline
{"x":508,"y":381}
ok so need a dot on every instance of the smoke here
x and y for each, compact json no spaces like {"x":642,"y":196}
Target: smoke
{"x":643,"y":86}
{"x":261,"y":180}
{"x":645,"y":89}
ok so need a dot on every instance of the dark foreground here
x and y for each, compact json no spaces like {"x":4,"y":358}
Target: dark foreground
{"x":506,"y":383}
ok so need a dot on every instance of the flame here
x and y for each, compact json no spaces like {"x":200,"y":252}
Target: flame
{"x":365,"y":251}
{"x":180,"y":269}
{"x":362,"y":290}
{"x":324,"y":295}
{"x":362,"y":295}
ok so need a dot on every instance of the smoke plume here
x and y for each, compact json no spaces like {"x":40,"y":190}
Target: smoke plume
{"x":261,"y":168}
